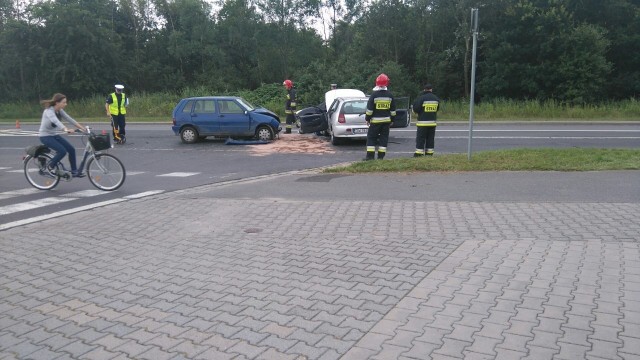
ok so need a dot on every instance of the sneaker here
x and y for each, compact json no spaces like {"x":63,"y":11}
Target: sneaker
{"x":77,"y":174}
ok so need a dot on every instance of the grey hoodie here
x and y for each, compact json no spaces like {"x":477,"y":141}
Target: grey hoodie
{"x":50,"y":125}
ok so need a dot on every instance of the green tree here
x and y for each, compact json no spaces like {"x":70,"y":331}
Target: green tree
{"x":541,"y":53}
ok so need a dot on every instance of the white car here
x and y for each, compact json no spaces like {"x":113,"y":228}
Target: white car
{"x":343,"y":119}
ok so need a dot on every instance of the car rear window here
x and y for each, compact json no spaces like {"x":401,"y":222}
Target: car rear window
{"x":355,"y":107}
{"x":187,"y":107}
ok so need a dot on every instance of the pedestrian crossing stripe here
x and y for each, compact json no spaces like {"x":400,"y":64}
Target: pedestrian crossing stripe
{"x":180,"y":174}
{"x":29,"y":205}
{"x":18,"y":132}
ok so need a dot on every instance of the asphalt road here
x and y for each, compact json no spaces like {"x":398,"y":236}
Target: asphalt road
{"x":156,"y":161}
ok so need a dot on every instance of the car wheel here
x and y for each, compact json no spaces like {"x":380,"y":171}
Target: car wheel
{"x":335,"y":140}
{"x":264,"y":133}
{"x":189,"y":135}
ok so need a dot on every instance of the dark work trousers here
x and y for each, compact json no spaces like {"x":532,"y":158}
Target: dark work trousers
{"x":118,"y":123}
{"x":425,"y":137}
{"x":61,"y":146}
{"x":378,"y":135}
{"x":291,"y":119}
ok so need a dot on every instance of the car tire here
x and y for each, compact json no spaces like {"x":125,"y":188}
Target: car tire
{"x":264,"y":133}
{"x":335,"y":140}
{"x":189,"y":135}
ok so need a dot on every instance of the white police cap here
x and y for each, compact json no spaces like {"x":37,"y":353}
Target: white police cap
{"x":119,"y":87}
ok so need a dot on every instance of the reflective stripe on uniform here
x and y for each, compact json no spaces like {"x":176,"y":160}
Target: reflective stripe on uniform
{"x":420,"y":151}
{"x":380,"y":120}
{"x":371,"y":149}
{"x":426,"y":123}
{"x":429,"y":151}
{"x":382,"y":149}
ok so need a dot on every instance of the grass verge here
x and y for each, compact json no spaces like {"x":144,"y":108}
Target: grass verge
{"x":575,"y":159}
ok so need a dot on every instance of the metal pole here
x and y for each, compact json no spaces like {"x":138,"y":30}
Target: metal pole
{"x":474,"y":30}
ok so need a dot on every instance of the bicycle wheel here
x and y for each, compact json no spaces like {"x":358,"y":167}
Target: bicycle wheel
{"x":37,"y":174}
{"x":106,"y":172}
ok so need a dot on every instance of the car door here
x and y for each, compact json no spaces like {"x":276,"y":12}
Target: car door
{"x":205,"y":117}
{"x":233,"y":119}
{"x":313,"y":122}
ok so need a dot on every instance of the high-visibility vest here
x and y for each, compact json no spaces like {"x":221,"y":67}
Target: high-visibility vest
{"x":113,"y":107}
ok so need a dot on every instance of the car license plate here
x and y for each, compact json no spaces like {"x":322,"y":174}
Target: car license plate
{"x":360,"y":131}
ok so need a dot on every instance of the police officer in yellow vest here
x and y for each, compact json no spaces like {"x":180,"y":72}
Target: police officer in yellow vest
{"x":426,"y":106}
{"x":116,"y":107}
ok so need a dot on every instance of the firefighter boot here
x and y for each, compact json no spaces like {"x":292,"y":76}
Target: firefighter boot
{"x":370,"y":156}
{"x":287,"y":130}
{"x":381,"y":155}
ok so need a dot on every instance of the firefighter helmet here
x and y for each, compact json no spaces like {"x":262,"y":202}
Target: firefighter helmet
{"x":382,"y":80}
{"x":288,"y":83}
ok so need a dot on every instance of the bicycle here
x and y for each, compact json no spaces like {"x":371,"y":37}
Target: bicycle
{"x":105,"y":171}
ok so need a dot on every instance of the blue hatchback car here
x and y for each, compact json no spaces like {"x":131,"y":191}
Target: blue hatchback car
{"x":223,"y":116}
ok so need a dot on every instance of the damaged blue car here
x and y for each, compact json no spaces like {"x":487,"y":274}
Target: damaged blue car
{"x":196,"y":118}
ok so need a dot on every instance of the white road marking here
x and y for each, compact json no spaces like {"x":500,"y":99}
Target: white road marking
{"x":73,"y":210}
{"x":84,"y":193}
{"x":29,"y":205}
{"x":180,"y":174}
{"x":18,"y":132}
{"x":143,"y":194}
{"x":131,"y":173}
{"x":13,"y":193}
{"x":59,"y":213}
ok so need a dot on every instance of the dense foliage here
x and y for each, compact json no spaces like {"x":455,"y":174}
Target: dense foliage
{"x":572,"y":51}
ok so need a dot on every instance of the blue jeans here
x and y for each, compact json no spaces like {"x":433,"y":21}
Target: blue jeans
{"x":61,"y":146}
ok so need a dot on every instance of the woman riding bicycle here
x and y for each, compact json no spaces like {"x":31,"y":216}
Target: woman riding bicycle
{"x":51,"y":123}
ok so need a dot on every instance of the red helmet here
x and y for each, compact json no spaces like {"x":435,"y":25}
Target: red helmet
{"x":288,"y":83}
{"x":382,"y":80}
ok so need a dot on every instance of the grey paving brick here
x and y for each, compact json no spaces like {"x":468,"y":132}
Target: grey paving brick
{"x":272,"y":341}
{"x":23,"y":349}
{"x":246,"y":349}
{"x":99,"y":353}
{"x":212,"y":353}
{"x":77,"y":348}
{"x":189,"y":349}
{"x":56,"y":342}
{"x":110,"y":342}
{"x":572,"y":351}
{"x":358,"y":353}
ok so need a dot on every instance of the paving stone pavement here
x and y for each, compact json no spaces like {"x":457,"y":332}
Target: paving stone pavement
{"x":187,"y":275}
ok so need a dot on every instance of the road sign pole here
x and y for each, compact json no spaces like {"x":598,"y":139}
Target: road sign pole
{"x":474,"y":30}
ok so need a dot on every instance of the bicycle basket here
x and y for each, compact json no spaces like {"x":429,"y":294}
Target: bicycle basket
{"x":100,"y":142}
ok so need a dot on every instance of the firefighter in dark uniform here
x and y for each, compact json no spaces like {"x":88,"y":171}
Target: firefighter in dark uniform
{"x":426,"y":106}
{"x":290,"y":105}
{"x":381,"y":111}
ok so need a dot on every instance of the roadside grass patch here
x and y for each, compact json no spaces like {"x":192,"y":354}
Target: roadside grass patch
{"x":574,"y":159}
